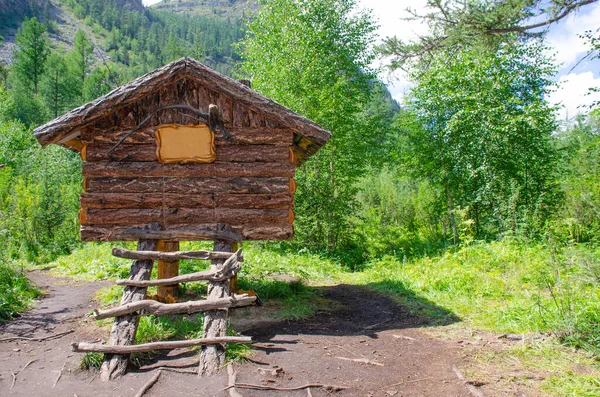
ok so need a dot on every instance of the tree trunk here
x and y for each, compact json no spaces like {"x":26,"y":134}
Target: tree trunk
{"x":212,"y":358}
{"x":125,"y":327}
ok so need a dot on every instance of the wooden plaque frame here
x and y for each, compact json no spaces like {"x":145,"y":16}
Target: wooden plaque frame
{"x":176,"y":143}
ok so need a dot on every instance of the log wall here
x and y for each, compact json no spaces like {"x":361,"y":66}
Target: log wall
{"x":250,"y":185}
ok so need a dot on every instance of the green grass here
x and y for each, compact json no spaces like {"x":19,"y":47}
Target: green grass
{"x":16,"y":292}
{"x":92,"y":261}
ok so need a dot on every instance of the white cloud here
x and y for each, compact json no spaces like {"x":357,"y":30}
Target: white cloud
{"x":573,"y":94}
{"x":564,"y":36}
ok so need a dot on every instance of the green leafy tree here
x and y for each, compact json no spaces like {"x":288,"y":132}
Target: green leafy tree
{"x":486,"y":135}
{"x":314,"y":57}
{"x":32,"y":47}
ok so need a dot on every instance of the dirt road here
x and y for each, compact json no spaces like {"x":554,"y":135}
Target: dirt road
{"x":366,"y":343}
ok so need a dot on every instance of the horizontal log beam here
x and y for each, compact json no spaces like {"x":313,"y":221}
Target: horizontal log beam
{"x":233,"y":185}
{"x":169,"y":256}
{"x":174,"y":200}
{"x":193,"y":232}
{"x":230,"y":268}
{"x":237,"y":136}
{"x":225,"y":153}
{"x":84,"y":347}
{"x":163,"y":309}
{"x":126,"y":217}
{"x":217,"y":169}
{"x":200,"y":232}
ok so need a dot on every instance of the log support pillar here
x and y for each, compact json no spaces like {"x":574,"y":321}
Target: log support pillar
{"x":212,"y":357}
{"x":125,"y":327}
{"x":168,"y":269}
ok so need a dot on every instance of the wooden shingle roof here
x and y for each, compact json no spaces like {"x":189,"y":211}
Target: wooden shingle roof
{"x":69,"y":125}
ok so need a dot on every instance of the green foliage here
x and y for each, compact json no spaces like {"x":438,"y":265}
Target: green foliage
{"x":314,"y":57}
{"x":474,"y":108}
{"x":144,"y":40}
{"x":92,"y":261}
{"x":578,"y":219}
{"x":506,"y":286}
{"x":32,"y":47}
{"x":91,"y":361}
{"x":38,"y":193}
{"x":396,"y":215}
{"x":16,"y":291}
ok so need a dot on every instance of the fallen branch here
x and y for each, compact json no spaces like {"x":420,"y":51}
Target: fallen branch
{"x":59,"y":375}
{"x":28,"y":364}
{"x":148,"y":384}
{"x":179,"y":370}
{"x":261,"y":387}
{"x":231,"y":381}
{"x":37,"y":339}
{"x":14,"y":374}
{"x":83,"y":347}
{"x":361,"y":360}
{"x":161,"y":309}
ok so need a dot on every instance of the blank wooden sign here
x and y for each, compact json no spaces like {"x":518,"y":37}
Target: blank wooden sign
{"x":185,"y":144}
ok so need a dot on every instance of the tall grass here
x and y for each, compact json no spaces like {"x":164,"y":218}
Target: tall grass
{"x":16,"y":291}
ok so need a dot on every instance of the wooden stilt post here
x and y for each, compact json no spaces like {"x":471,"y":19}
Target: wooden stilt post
{"x":125,"y":327}
{"x":168,"y":269}
{"x":212,"y":357}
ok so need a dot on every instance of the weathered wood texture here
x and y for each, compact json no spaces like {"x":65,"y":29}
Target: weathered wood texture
{"x":168,"y":216}
{"x":225,"y":153}
{"x":196,"y":232}
{"x":190,"y":82}
{"x":125,"y":327}
{"x":170,"y":256}
{"x":103,"y":134}
{"x":202,"y":232}
{"x":232,"y":185}
{"x":163,"y":309}
{"x":167,"y":269}
{"x":212,"y":358}
{"x":217,"y":169}
{"x":174,"y":200}
{"x":84,"y":347}
{"x":230,"y":268}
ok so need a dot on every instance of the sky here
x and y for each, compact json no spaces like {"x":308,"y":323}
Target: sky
{"x":567,"y":48}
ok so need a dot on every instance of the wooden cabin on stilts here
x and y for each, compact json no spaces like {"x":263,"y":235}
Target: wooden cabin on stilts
{"x":183,"y":154}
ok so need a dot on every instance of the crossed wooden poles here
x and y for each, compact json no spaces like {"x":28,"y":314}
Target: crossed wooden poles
{"x":225,"y":265}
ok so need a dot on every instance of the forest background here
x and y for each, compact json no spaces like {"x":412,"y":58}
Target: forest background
{"x":471,"y":195}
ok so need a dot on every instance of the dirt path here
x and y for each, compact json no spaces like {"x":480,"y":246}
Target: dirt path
{"x":370,"y":345}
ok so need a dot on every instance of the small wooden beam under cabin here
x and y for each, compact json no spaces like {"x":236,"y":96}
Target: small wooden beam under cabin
{"x":167,"y":269}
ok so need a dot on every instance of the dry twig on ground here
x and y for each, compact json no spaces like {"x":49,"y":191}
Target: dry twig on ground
{"x":148,"y":384}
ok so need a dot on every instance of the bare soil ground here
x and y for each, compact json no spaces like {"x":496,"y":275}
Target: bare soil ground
{"x":365,"y":343}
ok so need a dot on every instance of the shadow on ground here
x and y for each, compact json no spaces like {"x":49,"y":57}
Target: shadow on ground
{"x":356,"y":310}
